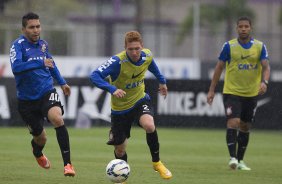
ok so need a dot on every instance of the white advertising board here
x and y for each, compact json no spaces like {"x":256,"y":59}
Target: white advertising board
{"x":171,"y":68}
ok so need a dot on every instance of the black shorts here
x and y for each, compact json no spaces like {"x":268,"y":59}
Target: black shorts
{"x":240,"y":107}
{"x":34,"y":112}
{"x":121,"y":124}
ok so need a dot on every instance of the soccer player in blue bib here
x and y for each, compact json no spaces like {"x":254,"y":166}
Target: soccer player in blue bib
{"x":129,"y":102}
{"x":247,"y":73}
{"x":34,"y":71}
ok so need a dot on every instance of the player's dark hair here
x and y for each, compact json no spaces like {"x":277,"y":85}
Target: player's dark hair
{"x":29,"y":16}
{"x":244,"y":19}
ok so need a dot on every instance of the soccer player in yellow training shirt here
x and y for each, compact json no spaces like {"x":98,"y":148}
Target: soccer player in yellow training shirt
{"x":247,"y":73}
{"x":129,"y":102}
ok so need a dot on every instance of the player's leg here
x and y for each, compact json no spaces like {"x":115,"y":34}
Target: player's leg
{"x":34,"y":121}
{"x":232,"y":107}
{"x":38,"y":143}
{"x":56,"y":118}
{"x":248,"y":114}
{"x":119,"y":134}
{"x":120,"y":151}
{"x":146,"y":121}
{"x":231,"y":141}
{"x":53,"y":110}
{"x":243,"y":140}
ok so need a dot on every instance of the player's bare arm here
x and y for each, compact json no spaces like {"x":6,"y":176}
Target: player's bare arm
{"x":119,"y":93}
{"x":217,"y":73}
{"x":66,"y":89}
{"x":265,"y":78}
{"x":163,"y":90}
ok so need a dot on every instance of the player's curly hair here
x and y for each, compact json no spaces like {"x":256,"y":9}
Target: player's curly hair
{"x":132,"y":36}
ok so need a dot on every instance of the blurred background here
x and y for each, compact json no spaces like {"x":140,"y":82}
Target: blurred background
{"x":185,"y":36}
{"x":179,"y":28}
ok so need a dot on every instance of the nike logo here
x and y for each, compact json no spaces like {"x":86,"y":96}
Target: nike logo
{"x":135,"y":76}
{"x":262,"y":102}
{"x":27,"y":49}
{"x":245,"y":57}
{"x":66,"y":151}
{"x":123,"y":168}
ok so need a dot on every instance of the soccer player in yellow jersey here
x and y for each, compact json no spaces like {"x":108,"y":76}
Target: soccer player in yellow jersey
{"x":247,"y":73}
{"x":129,"y":102}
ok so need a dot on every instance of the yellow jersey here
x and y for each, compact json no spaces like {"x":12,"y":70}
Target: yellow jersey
{"x":243,"y":71}
{"x":131,"y":80}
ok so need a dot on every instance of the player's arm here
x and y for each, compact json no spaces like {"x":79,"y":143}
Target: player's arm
{"x":265,"y":70}
{"x":60,"y":80}
{"x":162,"y":81}
{"x":217,"y":73}
{"x":109,"y":68}
{"x":17,"y":63}
{"x":55,"y":73}
{"x":223,"y":57}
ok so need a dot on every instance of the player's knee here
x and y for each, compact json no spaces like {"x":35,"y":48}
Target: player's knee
{"x":147,"y":122}
{"x":41,"y":139}
{"x":119,"y":152}
{"x":233,"y":123}
{"x":57,"y":120}
{"x":245,"y":127}
{"x":150,"y":128}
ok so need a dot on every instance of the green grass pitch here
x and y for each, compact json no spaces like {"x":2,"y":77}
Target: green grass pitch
{"x":195,"y":156}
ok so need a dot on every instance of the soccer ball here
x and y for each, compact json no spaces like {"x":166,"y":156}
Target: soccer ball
{"x":117,"y":170}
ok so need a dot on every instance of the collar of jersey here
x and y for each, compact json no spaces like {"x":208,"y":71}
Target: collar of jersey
{"x":246,"y":45}
{"x":141,"y":60}
{"x":37,"y":43}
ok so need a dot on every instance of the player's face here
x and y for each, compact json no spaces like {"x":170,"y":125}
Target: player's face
{"x":32,"y":30}
{"x":244,"y":29}
{"x":133,"y":50}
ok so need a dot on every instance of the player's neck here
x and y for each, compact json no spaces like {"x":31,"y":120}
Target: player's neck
{"x":244,"y":40}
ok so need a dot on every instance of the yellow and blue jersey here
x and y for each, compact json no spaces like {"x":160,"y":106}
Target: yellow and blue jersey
{"x":126,"y":75}
{"x":243,"y":67}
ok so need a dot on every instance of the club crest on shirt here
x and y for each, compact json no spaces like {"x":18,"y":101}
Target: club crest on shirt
{"x":229,"y":111}
{"x":43,"y":47}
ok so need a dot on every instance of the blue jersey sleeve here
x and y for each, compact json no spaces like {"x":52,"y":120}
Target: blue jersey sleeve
{"x":17,"y":63}
{"x":57,"y":75}
{"x":54,"y":71}
{"x":225,"y":52}
{"x":264,"y":53}
{"x":155,"y":70}
{"x":109,"y":68}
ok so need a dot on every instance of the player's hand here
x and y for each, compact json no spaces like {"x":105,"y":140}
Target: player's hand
{"x":262,"y":88}
{"x":210,"y":97}
{"x":66,"y":89}
{"x":163,"y":90}
{"x":119,"y":93}
{"x":49,"y":63}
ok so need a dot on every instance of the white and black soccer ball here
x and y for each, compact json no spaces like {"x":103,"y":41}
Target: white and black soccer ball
{"x":117,"y":170}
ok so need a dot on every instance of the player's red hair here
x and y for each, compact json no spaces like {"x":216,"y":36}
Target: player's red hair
{"x":132,"y":36}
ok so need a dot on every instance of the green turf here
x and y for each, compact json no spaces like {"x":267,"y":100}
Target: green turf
{"x":194,"y":156}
